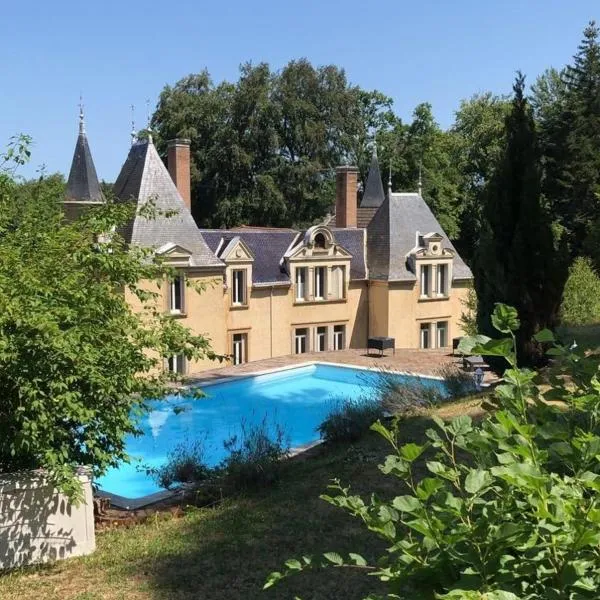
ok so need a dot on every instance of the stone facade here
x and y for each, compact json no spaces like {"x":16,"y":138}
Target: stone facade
{"x":385,"y":268}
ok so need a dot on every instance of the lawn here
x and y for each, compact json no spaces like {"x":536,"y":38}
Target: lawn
{"x":227,"y":552}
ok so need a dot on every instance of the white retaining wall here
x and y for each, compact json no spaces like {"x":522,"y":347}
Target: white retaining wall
{"x":39,"y":524}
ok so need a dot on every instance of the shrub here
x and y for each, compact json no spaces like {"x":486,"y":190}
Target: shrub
{"x":255,"y":455}
{"x":509,"y":508}
{"x":185,"y":464}
{"x":349,"y":419}
{"x":400,"y":396}
{"x":581,"y":296}
{"x":458,"y":383}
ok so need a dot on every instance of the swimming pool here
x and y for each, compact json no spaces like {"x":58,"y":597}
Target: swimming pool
{"x":297,"y":399}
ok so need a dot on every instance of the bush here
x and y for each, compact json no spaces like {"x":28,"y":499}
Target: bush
{"x":185,"y":464}
{"x":458,"y":383}
{"x":581,"y":296}
{"x":255,"y":456}
{"x":399,"y":396}
{"x":349,"y":419}
{"x":508,"y":509}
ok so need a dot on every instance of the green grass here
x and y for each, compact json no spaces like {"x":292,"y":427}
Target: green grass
{"x":227,"y":552}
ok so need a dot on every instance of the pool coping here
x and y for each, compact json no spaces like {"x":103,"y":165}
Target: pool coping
{"x":126,"y":503}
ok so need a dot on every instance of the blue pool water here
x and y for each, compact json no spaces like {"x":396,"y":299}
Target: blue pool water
{"x":297,"y":399}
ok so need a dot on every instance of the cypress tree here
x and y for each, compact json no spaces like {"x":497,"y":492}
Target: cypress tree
{"x":517,"y":262}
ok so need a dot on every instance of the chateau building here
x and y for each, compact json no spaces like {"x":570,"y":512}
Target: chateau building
{"x":384,"y":268}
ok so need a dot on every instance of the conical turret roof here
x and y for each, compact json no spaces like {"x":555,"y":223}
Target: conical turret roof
{"x":83,"y":185}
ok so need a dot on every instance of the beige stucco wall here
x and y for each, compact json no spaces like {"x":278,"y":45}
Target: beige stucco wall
{"x":39,"y":524}
{"x":407,"y":310}
{"x":272,"y":314}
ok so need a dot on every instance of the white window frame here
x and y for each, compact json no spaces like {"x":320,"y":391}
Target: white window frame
{"x":176,"y":363}
{"x":239,"y":348}
{"x":439,"y":329}
{"x":238,"y":289}
{"x":320,"y":282}
{"x":321,"y":335}
{"x":338,"y":282}
{"x":299,"y":339}
{"x":442,"y":280}
{"x":301,"y":281}
{"x":339,"y":337}
{"x":424,"y":328}
{"x":177,"y":284}
{"x":425,"y":281}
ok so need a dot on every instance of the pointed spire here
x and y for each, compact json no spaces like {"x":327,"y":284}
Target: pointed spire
{"x":148,"y":128}
{"x":373,"y":195}
{"x":420,"y":180}
{"x":83,"y":185}
{"x":133,"y":133}
{"x":81,"y":117}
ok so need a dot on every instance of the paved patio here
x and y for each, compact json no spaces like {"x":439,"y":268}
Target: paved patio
{"x":423,"y":362}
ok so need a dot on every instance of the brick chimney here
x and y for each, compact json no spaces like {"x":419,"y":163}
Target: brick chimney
{"x":346,"y":197}
{"x":178,"y":162}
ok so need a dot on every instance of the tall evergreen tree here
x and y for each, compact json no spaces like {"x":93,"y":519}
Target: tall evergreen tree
{"x":517,"y":262}
{"x":570,"y":137}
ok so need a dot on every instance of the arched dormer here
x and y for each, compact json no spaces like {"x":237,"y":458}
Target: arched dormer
{"x":319,"y":237}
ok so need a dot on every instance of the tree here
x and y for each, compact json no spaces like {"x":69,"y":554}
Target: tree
{"x":76,"y":363}
{"x":517,"y":261}
{"x":581,"y":298}
{"x":264,"y":149}
{"x":570,"y":136}
{"x":478,"y":135}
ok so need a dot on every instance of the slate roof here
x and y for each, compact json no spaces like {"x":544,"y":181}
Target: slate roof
{"x":268,"y":247}
{"x":82,"y":185}
{"x":392,"y":234}
{"x":144,"y":177}
{"x":373,"y":195}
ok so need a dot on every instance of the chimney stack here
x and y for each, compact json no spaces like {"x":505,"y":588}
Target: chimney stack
{"x":178,"y":163}
{"x":346,"y":197}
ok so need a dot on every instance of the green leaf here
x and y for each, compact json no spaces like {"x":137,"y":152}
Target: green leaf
{"x":411,"y":452}
{"x":384,"y":432}
{"x":467,"y":344}
{"x":476,"y":480}
{"x":358,"y":559}
{"x":544,"y":336}
{"x":505,"y":318}
{"x":502,"y":347}
{"x":407,"y":504}
{"x":293,"y":564}
{"x":334,"y":558}
{"x":427,"y":487}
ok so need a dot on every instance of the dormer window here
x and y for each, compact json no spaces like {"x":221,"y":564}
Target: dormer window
{"x":442,"y":280}
{"x":176,"y":295}
{"x":320,"y":241}
{"x":426,"y":280}
{"x":238,"y":294}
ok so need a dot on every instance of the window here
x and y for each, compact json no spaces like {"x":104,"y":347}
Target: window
{"x":300,"y":284}
{"x":239,"y":287}
{"x":301,"y":340}
{"x":339,"y":331}
{"x":337,"y":282}
{"x":442,"y":334}
{"x":442,"y":280}
{"x":425,"y":280}
{"x":176,"y":364}
{"x":240,"y":343}
{"x":176,"y":294}
{"x":425,"y":333}
{"x":321,"y":339}
{"x":319,"y":240}
{"x":320,"y":293}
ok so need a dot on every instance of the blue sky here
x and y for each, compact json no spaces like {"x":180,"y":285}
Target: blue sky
{"x":118,"y":53}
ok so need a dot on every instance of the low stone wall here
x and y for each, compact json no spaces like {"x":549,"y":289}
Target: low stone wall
{"x":39,"y":524}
